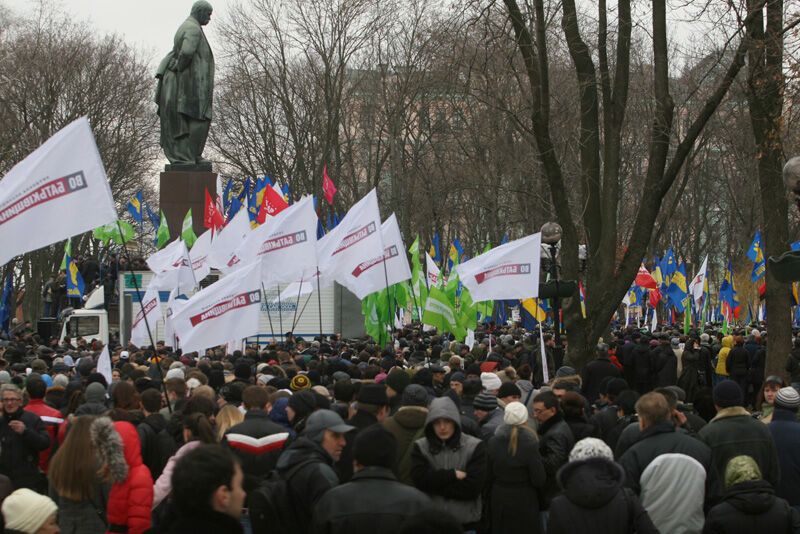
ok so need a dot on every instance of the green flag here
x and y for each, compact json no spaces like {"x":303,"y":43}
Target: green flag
{"x":467,"y":312}
{"x":110,"y":232}
{"x":187,"y":232}
{"x":439,"y":312}
{"x":687,"y":316}
{"x":375,"y":309}
{"x":101,"y":234}
{"x":162,"y":234}
{"x":67,"y":252}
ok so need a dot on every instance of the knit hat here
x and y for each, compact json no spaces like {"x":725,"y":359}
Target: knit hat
{"x":515,"y":414}
{"x":95,"y":392}
{"x":300,"y":382}
{"x":488,"y":367}
{"x":398,"y":380}
{"x":341,"y":376}
{"x":175,"y":373}
{"x":485,"y":402}
{"x":60,"y":381}
{"x":372,"y":394}
{"x":490,"y":381}
{"x":26,"y":511}
{"x":458,"y":376}
{"x":727,"y":393}
{"x":788,"y":399}
{"x":566,"y":371}
{"x":39,"y":366}
{"x":508,"y":389}
{"x":5,"y":377}
{"x":741,"y":469}
{"x":415,"y":395}
{"x":590,"y":448}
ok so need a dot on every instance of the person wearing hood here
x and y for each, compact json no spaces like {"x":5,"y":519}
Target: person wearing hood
{"x":407,"y":426}
{"x":749,"y":504}
{"x":450,"y":466}
{"x":516,"y":473}
{"x":594,"y":498}
{"x":721,"y":369}
{"x":785,"y":430}
{"x":95,"y":404}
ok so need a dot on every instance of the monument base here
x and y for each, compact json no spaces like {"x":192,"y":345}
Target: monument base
{"x":188,"y":167}
{"x":180,"y":191}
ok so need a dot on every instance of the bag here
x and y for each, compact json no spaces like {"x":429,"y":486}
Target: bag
{"x":271,"y":505}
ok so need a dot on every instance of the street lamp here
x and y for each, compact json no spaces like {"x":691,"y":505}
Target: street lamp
{"x":551,"y":236}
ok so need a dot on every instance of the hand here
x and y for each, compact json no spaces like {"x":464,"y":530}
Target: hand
{"x":461,"y":475}
{"x":679,"y":417}
{"x":17,"y":426}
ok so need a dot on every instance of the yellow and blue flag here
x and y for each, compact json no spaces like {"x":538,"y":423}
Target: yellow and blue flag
{"x":668,"y":263}
{"x":75,"y":286}
{"x":755,"y":252}
{"x":677,"y":288}
{"x":455,"y":254}
{"x":135,"y":207}
{"x":435,"y":248}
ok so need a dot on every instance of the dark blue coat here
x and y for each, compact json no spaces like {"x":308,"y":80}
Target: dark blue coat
{"x":785,"y":431}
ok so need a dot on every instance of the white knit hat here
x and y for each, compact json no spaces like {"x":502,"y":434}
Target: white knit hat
{"x":490,"y":381}
{"x":175,"y":373}
{"x":26,"y":511}
{"x":590,"y":448}
{"x":515,"y":414}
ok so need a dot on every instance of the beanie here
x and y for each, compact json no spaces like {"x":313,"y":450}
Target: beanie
{"x":490,"y":381}
{"x":398,"y":380}
{"x":727,"y":393}
{"x":508,"y":389}
{"x":300,"y":382}
{"x":415,"y":395}
{"x":616,"y":386}
{"x":26,"y":511}
{"x":174,"y":373}
{"x":788,"y":399}
{"x":566,"y":371}
{"x":590,"y":448}
{"x":458,"y":376}
{"x":515,"y":414}
{"x":485,"y":402}
{"x":95,"y":392}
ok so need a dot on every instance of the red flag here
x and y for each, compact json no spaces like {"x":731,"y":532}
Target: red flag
{"x":645,"y":279}
{"x":328,"y":186}
{"x":271,"y":205}
{"x":655,"y":297}
{"x":212,"y":218}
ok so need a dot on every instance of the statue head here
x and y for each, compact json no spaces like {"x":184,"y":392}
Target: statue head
{"x":201,"y":10}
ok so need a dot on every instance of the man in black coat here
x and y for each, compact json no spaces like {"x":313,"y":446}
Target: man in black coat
{"x":372,"y":408}
{"x":22,"y":437}
{"x":595,"y":371}
{"x":555,"y":441}
{"x":374,"y":500}
{"x":643,"y":366}
{"x":157,"y":443}
{"x":665,"y":363}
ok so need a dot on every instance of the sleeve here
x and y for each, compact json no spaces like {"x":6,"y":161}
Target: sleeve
{"x":536,"y":471}
{"x":163,"y":486}
{"x":641,"y":519}
{"x":471,"y":487}
{"x":317,"y":486}
{"x":554,"y":523}
{"x":35,"y":435}
{"x":427,"y":478}
{"x":713,"y":526}
{"x":189,"y":43}
{"x":554,"y":452}
{"x":629,"y":463}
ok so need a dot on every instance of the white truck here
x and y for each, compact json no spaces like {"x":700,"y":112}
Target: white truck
{"x":341,"y":313}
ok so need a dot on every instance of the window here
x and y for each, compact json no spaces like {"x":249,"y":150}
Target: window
{"x":83,"y":326}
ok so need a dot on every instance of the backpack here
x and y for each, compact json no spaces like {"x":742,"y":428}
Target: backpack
{"x":271,"y":504}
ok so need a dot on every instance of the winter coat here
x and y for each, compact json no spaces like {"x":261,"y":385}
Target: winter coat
{"x":258,"y":442}
{"x":515,"y":481}
{"x":210,"y":522}
{"x":751,"y":507}
{"x":580,"y":427}
{"x":373,"y":501}
{"x":344,"y":466}
{"x":83,"y":517}
{"x":130,"y":502}
{"x":157,"y":444}
{"x":593,"y":374}
{"x":626,"y":356}
{"x":738,"y":363}
{"x":604,"y":420}
{"x":644,"y":368}
{"x":19,"y":453}
{"x":666,"y":366}
{"x":722,"y":356}
{"x":308,"y":483}
{"x":490,"y":424}
{"x":594,"y":500}
{"x":690,"y":379}
{"x":793,"y":365}
{"x":163,"y":484}
{"x":555,"y":443}
{"x":52,"y":420}
{"x":733,"y":432}
{"x":407,"y":426}
{"x":434,"y":464}
{"x":785,"y":432}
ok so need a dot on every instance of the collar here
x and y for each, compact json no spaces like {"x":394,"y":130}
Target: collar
{"x":663,"y":427}
{"x":782,"y":414}
{"x":547,"y":425}
{"x":421,"y":409}
{"x":256,"y":413}
{"x":373,"y":472}
{"x":733,"y":411}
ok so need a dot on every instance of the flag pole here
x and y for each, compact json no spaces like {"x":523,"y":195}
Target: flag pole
{"x":299,"y":290}
{"x":301,"y":311}
{"x":269,"y":316}
{"x":280,"y":312}
{"x":319,"y":304}
{"x":416,"y":304}
{"x":144,"y":315}
{"x":388,"y":295}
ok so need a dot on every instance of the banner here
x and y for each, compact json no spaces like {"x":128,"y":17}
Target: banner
{"x":58,"y":191}
{"x":225,"y":310}
{"x":147,"y":315}
{"x":434,"y":274}
{"x":171,"y":266}
{"x":199,"y":256}
{"x":228,"y":240}
{"x":176,"y":302}
{"x":104,"y":364}
{"x":508,"y":272}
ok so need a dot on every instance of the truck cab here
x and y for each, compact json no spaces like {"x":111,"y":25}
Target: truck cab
{"x":89,"y":322}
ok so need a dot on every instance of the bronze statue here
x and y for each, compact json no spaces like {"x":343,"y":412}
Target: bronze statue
{"x":184,"y":93}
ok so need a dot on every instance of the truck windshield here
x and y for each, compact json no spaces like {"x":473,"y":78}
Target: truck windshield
{"x":83,"y":326}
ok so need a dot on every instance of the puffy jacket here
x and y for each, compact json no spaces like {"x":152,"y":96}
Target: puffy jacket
{"x":130,"y":502}
{"x":258,"y":442}
{"x":19,"y":453}
{"x":52,"y":420}
{"x":594,"y":500}
{"x":163,"y":484}
{"x":722,"y":357}
{"x":752,"y":507}
{"x":407,"y":425}
{"x":373,"y":501}
{"x":555,"y":442}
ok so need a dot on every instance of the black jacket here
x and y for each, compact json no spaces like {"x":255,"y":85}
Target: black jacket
{"x":785,"y":432}
{"x":373,"y":501}
{"x":738,"y":362}
{"x":793,"y":364}
{"x":210,"y":522}
{"x":751,"y":507}
{"x":644,"y":368}
{"x":157,"y":444}
{"x":555,"y":442}
{"x":593,"y":374}
{"x":258,"y":442}
{"x":666,"y":366}
{"x":344,"y":467}
{"x":19,"y":453}
{"x":594,"y":500}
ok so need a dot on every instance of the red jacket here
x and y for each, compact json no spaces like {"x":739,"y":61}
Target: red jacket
{"x":130,"y":502}
{"x":53,"y":420}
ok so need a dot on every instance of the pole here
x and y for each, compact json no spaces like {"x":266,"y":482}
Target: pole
{"x":144,"y":315}
{"x":319,"y":304}
{"x":280,"y":312}
{"x":556,"y":307}
{"x":269,"y":316}
{"x":301,"y":311}
{"x":416,"y":304}
{"x":299,"y":290}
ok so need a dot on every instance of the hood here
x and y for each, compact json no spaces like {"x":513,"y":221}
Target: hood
{"x":411,"y":417}
{"x":278,"y":412}
{"x":91,"y":408}
{"x":727,"y":342}
{"x":156,"y":421}
{"x":591,"y":483}
{"x":301,"y":450}
{"x":442,"y":408}
{"x":753,"y":497}
{"x":107,"y":442}
{"x":130,"y":442}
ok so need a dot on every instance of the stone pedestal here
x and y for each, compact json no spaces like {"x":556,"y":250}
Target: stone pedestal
{"x":182,"y":190}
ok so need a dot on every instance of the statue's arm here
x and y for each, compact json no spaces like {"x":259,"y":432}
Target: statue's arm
{"x":189,"y":44}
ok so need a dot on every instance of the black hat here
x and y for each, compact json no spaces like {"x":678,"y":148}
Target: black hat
{"x":508,"y":389}
{"x":375,"y":446}
{"x":398,"y":380}
{"x":616,"y":386}
{"x":727,"y":393}
{"x":458,"y":376}
{"x":415,"y":395}
{"x":373,"y":394}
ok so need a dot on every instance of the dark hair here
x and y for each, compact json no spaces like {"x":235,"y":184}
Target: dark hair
{"x":176,"y":386}
{"x":572,"y":404}
{"x":125,"y":397}
{"x":36,"y":388}
{"x":199,"y":404}
{"x":375,"y":446}
{"x":200,"y":427}
{"x":626,"y":401}
{"x":198,"y":475}
{"x":548,"y":398}
{"x":524,"y":371}
{"x":344,"y":391}
{"x":151,"y":400}
{"x":672,"y":398}
{"x":255,"y":397}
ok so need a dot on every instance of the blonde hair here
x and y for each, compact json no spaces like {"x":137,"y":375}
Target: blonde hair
{"x":228,"y":416}
{"x":513,"y":439}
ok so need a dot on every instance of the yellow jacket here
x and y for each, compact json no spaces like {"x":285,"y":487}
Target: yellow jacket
{"x":722,"y":357}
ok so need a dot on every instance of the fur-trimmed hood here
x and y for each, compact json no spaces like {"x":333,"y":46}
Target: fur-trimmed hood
{"x":108,"y":444}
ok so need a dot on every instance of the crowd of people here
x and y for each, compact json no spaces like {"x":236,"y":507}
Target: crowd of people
{"x":658,"y":433}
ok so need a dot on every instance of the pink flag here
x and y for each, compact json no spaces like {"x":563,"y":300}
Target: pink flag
{"x":328,"y":186}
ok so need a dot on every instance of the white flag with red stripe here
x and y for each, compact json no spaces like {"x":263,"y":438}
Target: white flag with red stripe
{"x":199,"y":255}
{"x":145,"y":318}
{"x":172,"y":268}
{"x":227,"y":240}
{"x":433,"y":273}
{"x":225,"y":310}
{"x":507,"y":272}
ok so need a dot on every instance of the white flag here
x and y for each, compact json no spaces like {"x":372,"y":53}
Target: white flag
{"x":470,"y":340}
{"x":381,"y":270}
{"x":58,"y":191}
{"x":171,"y":267}
{"x":543,"y":353}
{"x":507,"y":272}
{"x":698,"y":284}
{"x":285,"y":245}
{"x":104,"y":364}
{"x":225,"y":310}
{"x":145,"y":319}
{"x":654,"y":324}
{"x":303,"y":287}
{"x":355,"y":240}
{"x":199,"y":256}
{"x":227,"y":240}
{"x":434,"y":274}
{"x":176,"y":301}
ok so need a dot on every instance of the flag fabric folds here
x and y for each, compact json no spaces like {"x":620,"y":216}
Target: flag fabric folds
{"x":199,"y":256}
{"x":271,"y":205}
{"x":41,"y":195}
{"x":225,"y":243}
{"x":677,"y":288}
{"x":699,"y":283}
{"x":439,"y":313}
{"x":135,"y":207}
{"x":328,"y":187}
{"x":187,"y":231}
{"x":145,"y":318}
{"x":645,"y":279}
{"x":434,"y":275}
{"x":75,"y":285}
{"x":171,"y":266}
{"x":162,"y":233}
{"x":212,"y":218}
